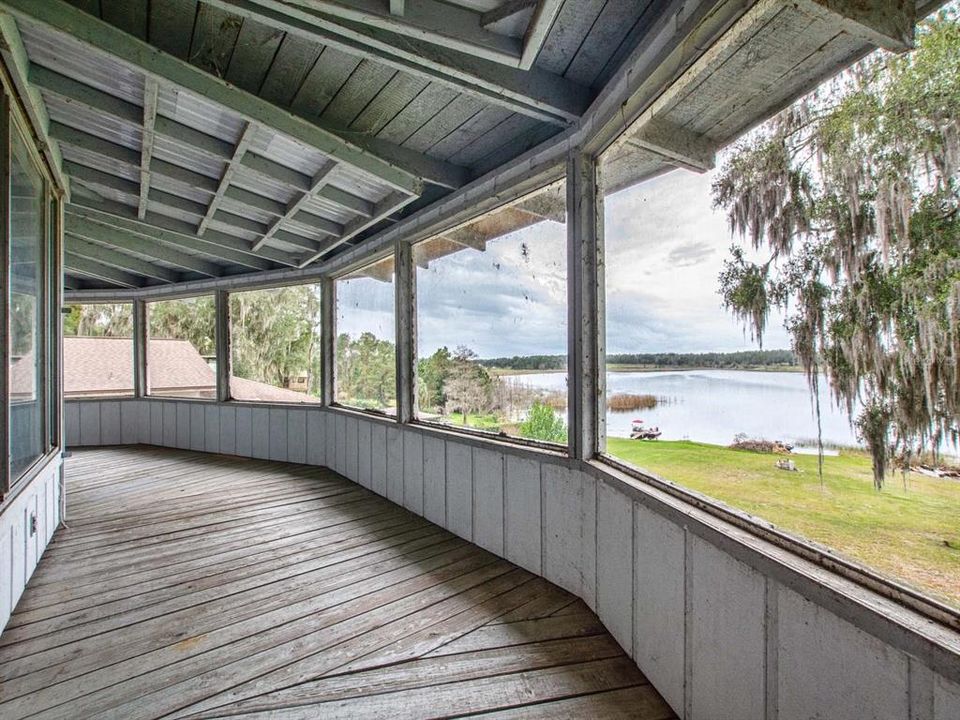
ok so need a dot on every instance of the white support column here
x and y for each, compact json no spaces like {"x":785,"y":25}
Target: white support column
{"x":328,"y":340}
{"x":406,"y":320}
{"x":139,"y":348}
{"x":586,"y":384}
{"x":222,"y":339}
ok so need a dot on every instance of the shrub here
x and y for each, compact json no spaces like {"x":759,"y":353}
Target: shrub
{"x":543,"y":423}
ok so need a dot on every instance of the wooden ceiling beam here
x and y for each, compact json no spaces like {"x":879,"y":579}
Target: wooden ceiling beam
{"x":151,"y":89}
{"x":95,"y":146}
{"x":543,"y":18}
{"x":109,"y":256}
{"x":97,"y":270}
{"x":507,"y":10}
{"x":74,"y":91}
{"x":96,"y":178}
{"x":60,"y":16}
{"x":219,"y":246}
{"x":88,"y":229}
{"x":295,"y":205}
{"x":438,"y":23}
{"x":15,"y":58}
{"x":246,"y":137}
{"x":679,"y":145}
{"x":534,"y":92}
{"x":889,"y":24}
{"x":381,"y":211}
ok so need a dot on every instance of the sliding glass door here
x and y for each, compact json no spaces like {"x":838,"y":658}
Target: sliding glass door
{"x":31,"y":281}
{"x":27,"y":350}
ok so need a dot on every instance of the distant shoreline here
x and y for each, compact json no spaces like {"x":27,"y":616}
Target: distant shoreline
{"x":504,"y":372}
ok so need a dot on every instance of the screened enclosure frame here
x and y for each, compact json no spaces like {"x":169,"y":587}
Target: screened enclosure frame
{"x":585,"y":359}
{"x":404,"y":298}
{"x":574,"y":156}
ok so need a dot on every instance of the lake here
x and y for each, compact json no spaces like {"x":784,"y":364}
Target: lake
{"x":712,"y":406}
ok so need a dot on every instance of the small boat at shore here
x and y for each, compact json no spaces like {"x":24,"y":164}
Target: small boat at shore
{"x":640,"y":431}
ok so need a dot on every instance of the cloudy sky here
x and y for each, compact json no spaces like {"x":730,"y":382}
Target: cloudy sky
{"x":665,"y":249}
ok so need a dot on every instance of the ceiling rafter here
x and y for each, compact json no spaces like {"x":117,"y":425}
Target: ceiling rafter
{"x":77,"y":92}
{"x":151,"y":89}
{"x":890,"y":24}
{"x":219,"y":246}
{"x":534,"y":92}
{"x":60,"y":16}
{"x":305,"y":244}
{"x":85,"y":228}
{"x":447,"y":25}
{"x":246,"y":137}
{"x":543,"y":17}
{"x":95,"y":179}
{"x":93,"y":145}
{"x":679,"y":145}
{"x":262,"y":166}
{"x":108,"y":256}
{"x":507,"y":10}
{"x":99,"y":271}
{"x":319,"y":180}
{"x":382,"y":210}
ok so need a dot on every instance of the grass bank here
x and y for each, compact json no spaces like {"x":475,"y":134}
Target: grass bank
{"x":912,"y":535}
{"x":489,"y":422}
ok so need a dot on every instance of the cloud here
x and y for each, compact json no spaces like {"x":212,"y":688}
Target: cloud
{"x":665,"y":247}
{"x":507,"y":300}
{"x":366,"y":305}
{"x":690,"y":253}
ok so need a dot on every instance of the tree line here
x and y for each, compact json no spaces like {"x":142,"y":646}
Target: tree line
{"x":729,"y":360}
{"x":275,"y":333}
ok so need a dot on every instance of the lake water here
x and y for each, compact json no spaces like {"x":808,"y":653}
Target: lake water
{"x":713,"y":406}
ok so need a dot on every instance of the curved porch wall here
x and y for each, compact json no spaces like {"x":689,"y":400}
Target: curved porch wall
{"x":722,"y":623}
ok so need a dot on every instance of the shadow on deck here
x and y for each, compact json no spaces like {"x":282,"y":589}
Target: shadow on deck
{"x":193,"y":585}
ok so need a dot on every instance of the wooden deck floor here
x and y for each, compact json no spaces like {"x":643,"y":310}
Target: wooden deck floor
{"x":192,"y":585}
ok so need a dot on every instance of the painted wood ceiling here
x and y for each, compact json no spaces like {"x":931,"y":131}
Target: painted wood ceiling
{"x":414,"y":99}
{"x":206,"y":138}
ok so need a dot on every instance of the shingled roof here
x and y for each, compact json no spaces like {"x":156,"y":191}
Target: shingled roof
{"x":103,"y":366}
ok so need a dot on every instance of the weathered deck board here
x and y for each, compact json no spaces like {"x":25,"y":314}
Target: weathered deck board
{"x":192,"y":585}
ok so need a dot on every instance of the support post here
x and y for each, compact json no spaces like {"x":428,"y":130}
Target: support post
{"x":222,"y":314}
{"x":54,"y":330}
{"x":406,"y":320}
{"x":57,"y":320}
{"x":5,"y":480}
{"x":328,"y":340}
{"x":586,"y":384}
{"x":139,"y":348}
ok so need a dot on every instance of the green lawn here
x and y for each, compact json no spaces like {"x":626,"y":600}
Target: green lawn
{"x":479,"y":422}
{"x":912,"y":535}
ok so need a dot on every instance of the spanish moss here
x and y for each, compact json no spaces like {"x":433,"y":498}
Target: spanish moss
{"x":853,"y":193}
